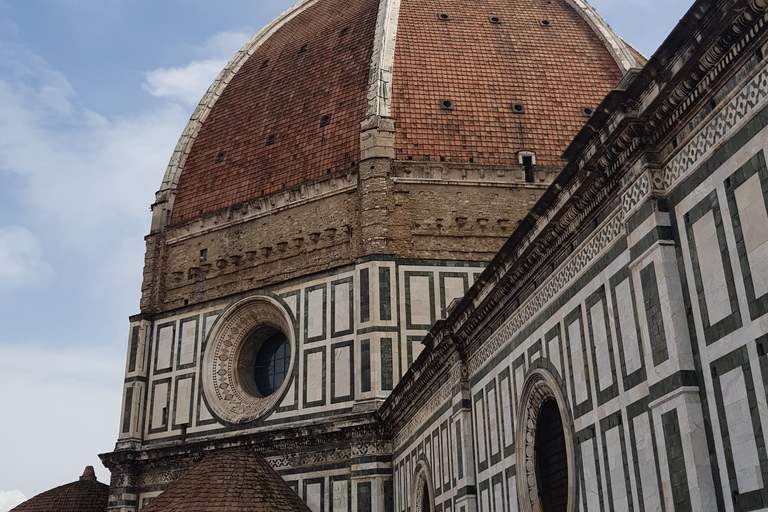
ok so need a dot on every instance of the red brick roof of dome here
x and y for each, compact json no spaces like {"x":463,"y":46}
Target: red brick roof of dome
{"x":289,"y":107}
{"x":85,"y":495}
{"x":235,"y":480}
{"x":283,"y":91}
{"x":541,"y":55}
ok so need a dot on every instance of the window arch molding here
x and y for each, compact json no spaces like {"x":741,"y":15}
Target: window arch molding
{"x":540,"y":386}
{"x":233,"y":344}
{"x":422,"y":488}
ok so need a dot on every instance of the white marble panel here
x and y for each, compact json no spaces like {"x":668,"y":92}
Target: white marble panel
{"x":208,"y":323}
{"x":616,"y":470}
{"x":438,"y":460}
{"x":160,"y":401}
{"x":493,"y":427}
{"x":629,"y":339}
{"x":577,"y":360}
{"x":754,"y":225}
{"x":603,"y":357}
{"x":591,"y":490}
{"x":444,"y":443}
{"x":314,"y":498}
{"x":291,"y":302}
{"x":485,"y":500}
{"x":512,"y":494}
{"x":740,"y":432}
{"x":519,"y":377}
{"x":315,"y":313}
{"x":553,"y":348}
{"x":454,"y":289}
{"x":711,"y":268}
{"x":420,"y":304}
{"x":205,"y":414}
{"x":506,"y":412}
{"x":498,"y":497}
{"x":646,"y":460}
{"x":416,"y":349}
{"x":164,"y":347}
{"x":183,"y":401}
{"x":340,"y":496}
{"x":187,"y":344}
{"x":480,"y":430}
{"x":290,"y":396}
{"x":341,"y":378}
{"x":314,"y":371}
{"x":342,"y":322}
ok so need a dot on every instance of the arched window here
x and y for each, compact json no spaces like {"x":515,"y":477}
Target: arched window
{"x":545,"y":483}
{"x":551,"y":459}
{"x":422,"y":497}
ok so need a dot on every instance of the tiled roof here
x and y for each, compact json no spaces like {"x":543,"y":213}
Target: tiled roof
{"x":85,"y":495}
{"x":540,"y":54}
{"x":286,"y":98}
{"x":292,"y":112}
{"x":235,"y":480}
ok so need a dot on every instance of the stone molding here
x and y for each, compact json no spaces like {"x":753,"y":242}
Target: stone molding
{"x":604,"y":237}
{"x":379,"y":93}
{"x":221,"y":384}
{"x":295,"y":460}
{"x":262,"y":207}
{"x":617,"y":47}
{"x":422,"y":480}
{"x":443,"y":395}
{"x":540,"y":386}
{"x":752,"y":97}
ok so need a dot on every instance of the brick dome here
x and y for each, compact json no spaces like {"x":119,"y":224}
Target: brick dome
{"x":234,"y":480}
{"x":84,"y":495}
{"x":474,"y":83}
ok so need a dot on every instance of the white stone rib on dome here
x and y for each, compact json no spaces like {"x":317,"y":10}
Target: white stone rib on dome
{"x":619,"y":49}
{"x":171,"y":179}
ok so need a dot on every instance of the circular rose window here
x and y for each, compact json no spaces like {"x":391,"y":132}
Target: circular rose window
{"x":248,"y":360}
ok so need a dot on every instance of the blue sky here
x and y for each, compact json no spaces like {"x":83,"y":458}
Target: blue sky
{"x":93,"y":97}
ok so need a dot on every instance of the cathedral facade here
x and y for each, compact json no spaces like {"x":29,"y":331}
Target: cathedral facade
{"x":465,"y":257}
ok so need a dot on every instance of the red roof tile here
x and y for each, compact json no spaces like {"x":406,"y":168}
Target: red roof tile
{"x":267,"y":130}
{"x":85,"y":495}
{"x":236,"y":480}
{"x":483,"y":68}
{"x":286,"y":99}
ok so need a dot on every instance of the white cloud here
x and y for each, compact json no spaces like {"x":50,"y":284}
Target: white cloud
{"x":80,"y":184}
{"x":189,"y":83}
{"x":10,"y":499}
{"x":22,"y":257}
{"x":64,"y":405}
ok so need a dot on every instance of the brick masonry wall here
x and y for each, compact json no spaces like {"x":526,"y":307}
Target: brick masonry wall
{"x":439,"y":218}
